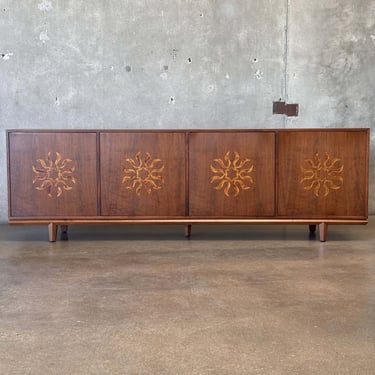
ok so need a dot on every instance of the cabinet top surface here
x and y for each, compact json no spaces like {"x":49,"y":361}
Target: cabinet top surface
{"x":240,"y":130}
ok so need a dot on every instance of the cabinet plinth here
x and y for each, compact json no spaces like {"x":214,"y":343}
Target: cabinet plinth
{"x":316,"y":177}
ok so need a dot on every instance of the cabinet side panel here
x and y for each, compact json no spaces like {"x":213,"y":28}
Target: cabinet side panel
{"x":52,"y":174}
{"x":323,"y":174}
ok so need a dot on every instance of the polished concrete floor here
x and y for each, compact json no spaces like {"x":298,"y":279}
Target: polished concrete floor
{"x":145,"y":300}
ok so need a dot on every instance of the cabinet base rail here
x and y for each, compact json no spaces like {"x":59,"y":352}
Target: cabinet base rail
{"x":322,"y":225}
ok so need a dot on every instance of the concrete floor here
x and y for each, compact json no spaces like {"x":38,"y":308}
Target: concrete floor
{"x":144,"y":300}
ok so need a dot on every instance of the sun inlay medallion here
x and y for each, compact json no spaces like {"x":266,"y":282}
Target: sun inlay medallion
{"x":54,"y":175}
{"x":322,"y":175}
{"x":232,"y":174}
{"x":143,"y":172}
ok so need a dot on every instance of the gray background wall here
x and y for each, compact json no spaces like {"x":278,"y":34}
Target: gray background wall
{"x":185,"y":64}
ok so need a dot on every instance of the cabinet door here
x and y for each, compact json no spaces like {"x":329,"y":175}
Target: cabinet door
{"x":52,"y":174}
{"x":323,"y":174}
{"x":232,"y":174}
{"x":142,"y":174}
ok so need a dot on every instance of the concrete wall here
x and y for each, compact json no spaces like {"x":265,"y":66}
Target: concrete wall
{"x":184,"y":64}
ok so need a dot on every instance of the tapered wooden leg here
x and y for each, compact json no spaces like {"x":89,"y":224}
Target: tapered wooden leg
{"x":188,"y":231}
{"x":323,"y":232}
{"x":52,"y":232}
{"x":64,"y":232}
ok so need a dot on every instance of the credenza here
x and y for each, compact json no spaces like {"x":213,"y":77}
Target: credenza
{"x":315,"y":177}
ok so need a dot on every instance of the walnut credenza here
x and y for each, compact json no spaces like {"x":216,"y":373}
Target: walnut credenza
{"x":300,"y":176}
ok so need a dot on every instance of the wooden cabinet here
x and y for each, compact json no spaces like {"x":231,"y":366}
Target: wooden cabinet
{"x":314,"y":177}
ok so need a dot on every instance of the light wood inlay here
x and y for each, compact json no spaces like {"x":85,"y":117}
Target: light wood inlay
{"x":54,"y":175}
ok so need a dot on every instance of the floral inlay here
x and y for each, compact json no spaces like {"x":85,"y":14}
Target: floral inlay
{"x":54,"y":176}
{"x":144,"y":173}
{"x":321,"y":175}
{"x":232,"y":174}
